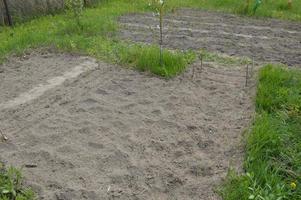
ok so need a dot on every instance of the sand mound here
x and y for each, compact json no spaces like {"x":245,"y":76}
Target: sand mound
{"x":114,"y":133}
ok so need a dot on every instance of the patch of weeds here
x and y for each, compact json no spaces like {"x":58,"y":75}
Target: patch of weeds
{"x":148,"y":59}
{"x":249,"y":7}
{"x":234,"y":187}
{"x":244,"y":8}
{"x":273,"y":158}
{"x":284,"y":6}
{"x":77,"y":8}
{"x":279,"y":88}
{"x":11,"y":187}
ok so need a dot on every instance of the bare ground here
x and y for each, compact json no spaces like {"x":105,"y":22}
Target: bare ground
{"x":115,"y":133}
{"x":267,"y":40}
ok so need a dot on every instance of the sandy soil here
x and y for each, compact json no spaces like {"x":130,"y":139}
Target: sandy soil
{"x":268,"y":40}
{"x":115,"y":133}
{"x":19,"y":75}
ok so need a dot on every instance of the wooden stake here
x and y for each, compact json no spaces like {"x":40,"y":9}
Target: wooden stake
{"x":161,"y":35}
{"x":253,"y":66}
{"x":201,"y":62}
{"x":247,"y":75}
{"x":193,"y":71}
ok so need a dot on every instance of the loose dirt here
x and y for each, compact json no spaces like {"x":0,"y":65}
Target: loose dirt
{"x":267,"y":40}
{"x":115,"y":133}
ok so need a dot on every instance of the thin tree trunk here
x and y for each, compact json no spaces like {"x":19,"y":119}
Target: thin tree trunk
{"x":10,"y":22}
{"x":161,"y":37}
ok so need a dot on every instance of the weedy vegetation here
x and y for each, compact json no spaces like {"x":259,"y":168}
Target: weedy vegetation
{"x":11,"y":187}
{"x":77,"y":8}
{"x":174,"y":62}
{"x":272,"y":164}
{"x":246,"y":8}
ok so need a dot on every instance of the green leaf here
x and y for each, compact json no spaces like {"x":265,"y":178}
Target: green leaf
{"x":5,"y":191}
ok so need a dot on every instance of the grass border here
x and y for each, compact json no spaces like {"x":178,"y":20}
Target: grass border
{"x":272,"y":163}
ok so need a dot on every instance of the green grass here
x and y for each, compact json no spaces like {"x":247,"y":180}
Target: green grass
{"x":269,"y":8}
{"x":11,"y":187}
{"x":273,"y":158}
{"x":174,"y":62}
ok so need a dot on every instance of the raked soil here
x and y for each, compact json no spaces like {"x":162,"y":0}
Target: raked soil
{"x":267,"y":40}
{"x":114,"y":133}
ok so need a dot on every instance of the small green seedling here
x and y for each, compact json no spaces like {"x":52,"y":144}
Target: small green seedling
{"x":11,"y":186}
{"x":256,"y":6}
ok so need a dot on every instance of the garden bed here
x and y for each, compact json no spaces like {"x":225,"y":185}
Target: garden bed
{"x":266,"y":40}
{"x":120,"y":134}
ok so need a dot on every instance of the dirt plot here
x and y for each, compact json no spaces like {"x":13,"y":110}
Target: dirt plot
{"x":115,"y":133}
{"x":268,"y":40}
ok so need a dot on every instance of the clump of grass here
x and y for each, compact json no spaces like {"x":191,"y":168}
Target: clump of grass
{"x":235,"y":187}
{"x":148,"y":59}
{"x":273,"y":158}
{"x":244,"y":8}
{"x":249,"y":7}
{"x":285,"y":6}
{"x":11,"y":187}
{"x":77,"y":8}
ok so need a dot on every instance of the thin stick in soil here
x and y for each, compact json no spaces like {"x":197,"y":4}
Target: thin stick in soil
{"x":193,"y":71}
{"x":201,"y":58}
{"x":253,"y":65}
{"x":247,"y":75}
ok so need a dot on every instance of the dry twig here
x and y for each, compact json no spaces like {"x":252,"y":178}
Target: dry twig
{"x":3,"y":136}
